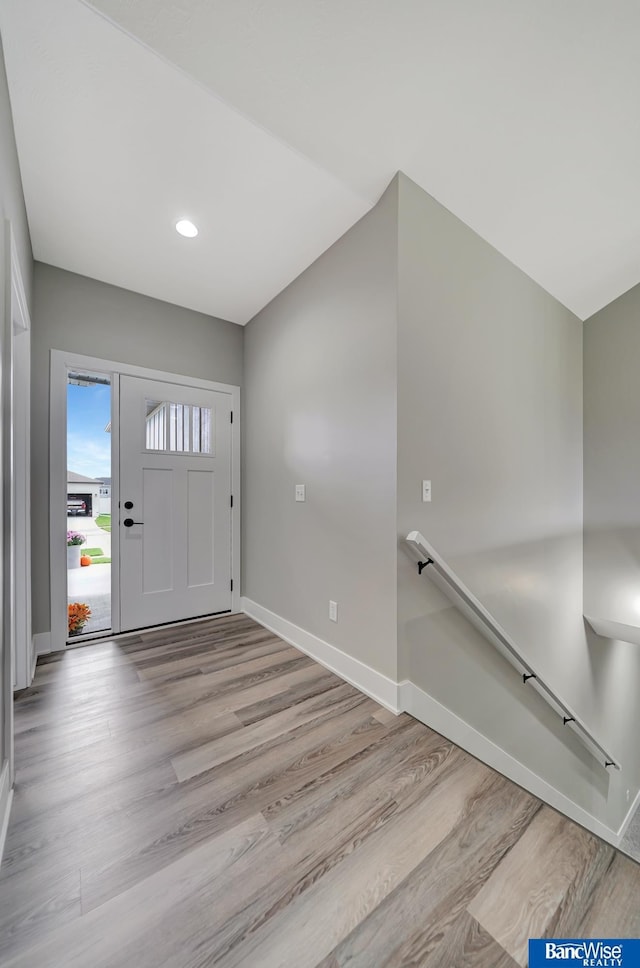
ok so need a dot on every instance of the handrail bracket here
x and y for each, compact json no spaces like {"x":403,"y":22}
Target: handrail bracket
{"x":423,"y":564}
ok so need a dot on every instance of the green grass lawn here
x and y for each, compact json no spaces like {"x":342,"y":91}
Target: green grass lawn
{"x":97,"y":555}
{"x":104,"y":521}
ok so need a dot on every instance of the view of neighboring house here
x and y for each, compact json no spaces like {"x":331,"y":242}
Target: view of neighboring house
{"x":87,"y":490}
{"x":104,"y":502}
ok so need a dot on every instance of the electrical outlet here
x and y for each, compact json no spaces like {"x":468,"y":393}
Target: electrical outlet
{"x":333,"y":611}
{"x":300,"y":492}
{"x":426,"y":491}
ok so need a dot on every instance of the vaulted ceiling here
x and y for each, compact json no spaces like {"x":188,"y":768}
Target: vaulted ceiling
{"x":275,"y":126}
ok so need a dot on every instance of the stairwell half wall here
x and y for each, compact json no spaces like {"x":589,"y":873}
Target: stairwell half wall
{"x":490,"y":410}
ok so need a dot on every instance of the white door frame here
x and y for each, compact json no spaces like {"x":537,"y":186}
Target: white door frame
{"x":61,"y":363}
{"x":20,"y":537}
{"x":16,"y":653}
{"x":16,"y":531}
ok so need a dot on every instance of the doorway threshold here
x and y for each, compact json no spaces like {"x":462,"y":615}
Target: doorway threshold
{"x":89,"y":638}
{"x":79,"y":641}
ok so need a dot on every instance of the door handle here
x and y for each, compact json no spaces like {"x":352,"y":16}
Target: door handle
{"x":129,"y":522}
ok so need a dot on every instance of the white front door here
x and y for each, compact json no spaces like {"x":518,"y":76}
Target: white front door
{"x":175,"y":502}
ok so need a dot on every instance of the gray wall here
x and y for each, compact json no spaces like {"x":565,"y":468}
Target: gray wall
{"x":411,"y":349}
{"x":490,"y":409}
{"x":320,"y":377}
{"x":12,"y":208}
{"x":612,"y":508}
{"x":81,"y":315}
{"x":612,"y":461}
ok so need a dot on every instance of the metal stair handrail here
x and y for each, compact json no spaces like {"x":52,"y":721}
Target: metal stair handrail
{"x":481,"y":618}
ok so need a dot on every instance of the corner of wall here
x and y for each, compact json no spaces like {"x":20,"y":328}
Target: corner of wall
{"x":321,"y":410}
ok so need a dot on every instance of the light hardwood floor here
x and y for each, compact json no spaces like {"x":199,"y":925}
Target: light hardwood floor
{"x":210,"y":796}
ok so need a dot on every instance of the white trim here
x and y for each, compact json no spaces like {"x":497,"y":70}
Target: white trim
{"x":115,"y":502}
{"x":619,"y":632}
{"x":57,"y":498}
{"x":20,"y":345}
{"x":614,"y":630}
{"x":6,"y":799}
{"x":16,"y":506}
{"x":61,"y":361}
{"x":17,"y":284}
{"x":622,"y":829}
{"x":42,"y":643}
{"x":363,"y":677}
{"x":236,"y":510}
{"x":80,"y":361}
{"x":429,"y":711}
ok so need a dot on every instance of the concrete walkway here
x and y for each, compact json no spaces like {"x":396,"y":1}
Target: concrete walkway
{"x":96,"y":537}
{"x":92,"y":584}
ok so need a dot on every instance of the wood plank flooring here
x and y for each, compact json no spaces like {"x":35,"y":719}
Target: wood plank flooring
{"x":209,"y":796}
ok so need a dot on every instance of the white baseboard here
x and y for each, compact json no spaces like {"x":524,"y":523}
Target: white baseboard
{"x":6,"y":798}
{"x":622,"y":829}
{"x":363,"y":677}
{"x":41,"y":644}
{"x":405,"y":696}
{"x":428,"y":710}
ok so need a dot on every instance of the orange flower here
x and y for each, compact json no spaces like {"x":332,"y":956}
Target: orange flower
{"x":79,"y":613}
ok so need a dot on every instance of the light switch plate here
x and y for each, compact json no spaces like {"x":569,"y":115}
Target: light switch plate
{"x":333,"y":611}
{"x":426,"y":491}
{"x":300,"y":492}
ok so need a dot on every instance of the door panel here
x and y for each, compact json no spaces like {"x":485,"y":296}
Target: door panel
{"x":157,"y":539}
{"x":201,"y":527}
{"x":175,"y":469}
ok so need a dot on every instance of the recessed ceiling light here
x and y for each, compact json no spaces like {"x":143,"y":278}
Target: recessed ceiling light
{"x":186,"y":228}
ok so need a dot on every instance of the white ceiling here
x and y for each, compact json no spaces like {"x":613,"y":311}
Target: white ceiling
{"x":520,"y":117}
{"x":115,"y":145}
